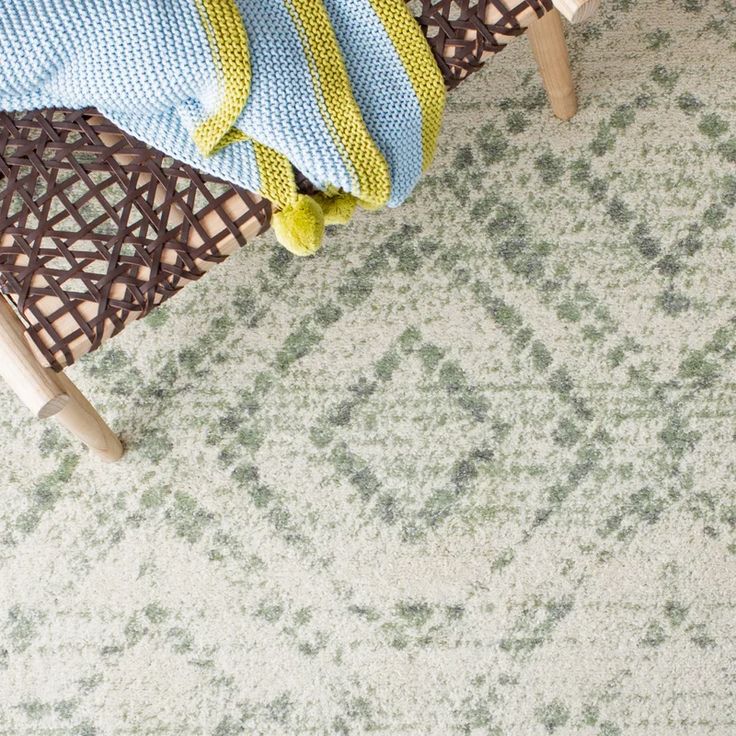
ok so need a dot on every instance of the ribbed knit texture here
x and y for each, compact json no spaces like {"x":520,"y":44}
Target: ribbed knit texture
{"x":345,"y":90}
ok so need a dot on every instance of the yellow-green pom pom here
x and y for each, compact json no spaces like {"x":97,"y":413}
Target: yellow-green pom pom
{"x":338,"y":208}
{"x":300,"y":226}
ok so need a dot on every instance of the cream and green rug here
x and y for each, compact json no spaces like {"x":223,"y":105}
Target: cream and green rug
{"x":469,"y":471}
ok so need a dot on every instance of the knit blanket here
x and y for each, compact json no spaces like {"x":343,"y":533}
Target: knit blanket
{"x":347,"y":91}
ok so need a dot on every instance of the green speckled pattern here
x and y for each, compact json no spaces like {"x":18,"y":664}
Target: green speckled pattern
{"x":469,"y":471}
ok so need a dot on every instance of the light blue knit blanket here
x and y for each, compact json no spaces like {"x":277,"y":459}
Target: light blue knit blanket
{"x":345,"y":90}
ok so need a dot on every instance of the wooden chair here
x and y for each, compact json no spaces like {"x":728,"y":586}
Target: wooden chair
{"x":97,"y":229}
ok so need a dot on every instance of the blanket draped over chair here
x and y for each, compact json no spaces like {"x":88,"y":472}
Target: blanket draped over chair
{"x":346,"y":91}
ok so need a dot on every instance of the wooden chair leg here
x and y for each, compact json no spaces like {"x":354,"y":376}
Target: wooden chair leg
{"x":81,"y":419}
{"x":47,"y":393}
{"x":547,"y":39}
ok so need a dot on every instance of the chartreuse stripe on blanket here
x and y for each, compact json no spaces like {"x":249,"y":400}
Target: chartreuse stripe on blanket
{"x":419,"y":64}
{"x":228,"y":43}
{"x":338,"y":106}
{"x":346,"y":91}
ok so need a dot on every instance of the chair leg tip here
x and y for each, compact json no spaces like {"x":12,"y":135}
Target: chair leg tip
{"x":111,"y":454}
{"x":564,"y":107}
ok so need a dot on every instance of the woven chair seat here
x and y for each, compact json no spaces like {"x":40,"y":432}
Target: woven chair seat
{"x":97,"y":229}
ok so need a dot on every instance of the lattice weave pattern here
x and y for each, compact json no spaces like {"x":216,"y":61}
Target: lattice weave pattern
{"x":97,"y":229}
{"x":463,"y":33}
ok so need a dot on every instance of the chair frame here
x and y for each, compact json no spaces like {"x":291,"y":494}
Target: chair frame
{"x":48,"y":393}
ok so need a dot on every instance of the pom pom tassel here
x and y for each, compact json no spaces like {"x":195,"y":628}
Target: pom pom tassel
{"x":300,"y":226}
{"x":337,"y":208}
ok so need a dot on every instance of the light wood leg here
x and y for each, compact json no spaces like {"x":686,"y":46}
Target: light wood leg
{"x":47,"y":393}
{"x":35,"y":385}
{"x":81,"y":419}
{"x":547,"y":38}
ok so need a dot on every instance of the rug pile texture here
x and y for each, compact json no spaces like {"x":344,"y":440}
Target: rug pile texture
{"x":470,"y":470}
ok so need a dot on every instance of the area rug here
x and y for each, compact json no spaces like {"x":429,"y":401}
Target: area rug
{"x":468,"y":471}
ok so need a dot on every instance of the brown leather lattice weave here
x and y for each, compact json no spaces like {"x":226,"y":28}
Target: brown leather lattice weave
{"x":97,"y":229}
{"x":463,"y":33}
